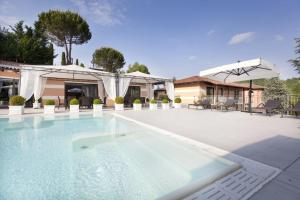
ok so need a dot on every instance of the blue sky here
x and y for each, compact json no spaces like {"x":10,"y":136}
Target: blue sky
{"x":178,"y":38}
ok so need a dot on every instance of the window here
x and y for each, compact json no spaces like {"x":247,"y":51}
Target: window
{"x":236,"y":94}
{"x":221,"y":92}
{"x":210,"y":92}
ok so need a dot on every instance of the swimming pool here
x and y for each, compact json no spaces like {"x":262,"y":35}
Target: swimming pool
{"x":99,"y":157}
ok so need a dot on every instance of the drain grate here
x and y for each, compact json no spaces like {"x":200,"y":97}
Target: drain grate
{"x":84,"y":147}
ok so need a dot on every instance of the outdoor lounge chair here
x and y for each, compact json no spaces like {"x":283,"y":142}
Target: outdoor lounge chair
{"x":230,"y":103}
{"x":203,"y":103}
{"x":270,"y":106}
{"x":296,"y":109}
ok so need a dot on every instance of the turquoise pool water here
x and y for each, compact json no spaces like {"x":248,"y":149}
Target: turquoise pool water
{"x":97,"y":157}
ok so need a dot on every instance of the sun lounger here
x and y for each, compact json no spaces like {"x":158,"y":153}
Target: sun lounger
{"x":296,"y":109}
{"x":270,"y":106}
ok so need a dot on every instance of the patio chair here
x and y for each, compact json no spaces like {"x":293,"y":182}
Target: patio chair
{"x":195,"y":104}
{"x":60,"y":102}
{"x":205,"y":104}
{"x":270,"y":106}
{"x":86,"y":102}
{"x":296,"y":109}
{"x":229,"y":103}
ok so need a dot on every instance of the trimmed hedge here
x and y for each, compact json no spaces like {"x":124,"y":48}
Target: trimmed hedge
{"x":97,"y":101}
{"x":153,"y":101}
{"x":49,"y":102}
{"x":16,"y":101}
{"x":119,"y":100}
{"x":137,"y":101}
{"x":177,"y":100}
{"x":74,"y":102}
{"x":165,"y":101}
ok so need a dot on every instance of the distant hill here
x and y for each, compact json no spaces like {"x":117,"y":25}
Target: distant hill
{"x":293,"y":84}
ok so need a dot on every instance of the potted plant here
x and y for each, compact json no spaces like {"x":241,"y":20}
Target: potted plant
{"x":49,"y":106}
{"x":119,"y":103}
{"x":74,"y":105}
{"x":16,"y":105}
{"x":165,"y":104}
{"x":37,"y":104}
{"x":97,"y":105}
{"x":137,"y":104}
{"x":153,"y":104}
{"x":177,"y":102}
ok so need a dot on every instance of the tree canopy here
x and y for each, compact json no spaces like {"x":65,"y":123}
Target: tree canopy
{"x":275,"y":89}
{"x":296,"y":62}
{"x":64,"y":28}
{"x":26,"y":45}
{"x":111,"y":60}
{"x":138,"y":67}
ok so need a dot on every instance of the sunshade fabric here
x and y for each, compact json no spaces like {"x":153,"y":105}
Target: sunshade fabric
{"x":123,"y":85}
{"x":39,"y":85}
{"x":139,"y":77}
{"x":241,"y":71}
{"x":170,"y":90}
{"x":110,"y":86}
{"x":101,"y":91}
{"x":27,"y":84}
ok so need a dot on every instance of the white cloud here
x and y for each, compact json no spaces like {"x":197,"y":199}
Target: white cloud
{"x":210,"y":32}
{"x":6,"y":9}
{"x":241,"y":38}
{"x":278,"y":37}
{"x":103,"y":12}
{"x":192,"y":57}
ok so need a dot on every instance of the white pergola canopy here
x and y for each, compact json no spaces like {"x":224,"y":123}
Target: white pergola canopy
{"x":66,"y":71}
{"x":241,"y":71}
{"x":140,"y":77}
{"x":34,"y":77}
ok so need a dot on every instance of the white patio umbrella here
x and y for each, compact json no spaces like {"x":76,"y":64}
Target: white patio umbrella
{"x":242,"y":71}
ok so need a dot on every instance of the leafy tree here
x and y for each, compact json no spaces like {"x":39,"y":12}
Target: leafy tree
{"x":109,"y":59}
{"x":296,"y":62}
{"x":275,"y":89}
{"x":82,"y":65}
{"x":77,"y":62}
{"x":138,"y":67}
{"x":293,"y":86}
{"x":26,"y":45}
{"x":64,"y":28}
{"x":63,"y":58}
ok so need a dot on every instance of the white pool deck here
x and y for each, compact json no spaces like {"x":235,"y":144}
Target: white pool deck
{"x":273,"y":141}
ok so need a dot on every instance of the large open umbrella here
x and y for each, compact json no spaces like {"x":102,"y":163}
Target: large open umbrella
{"x":242,"y":71}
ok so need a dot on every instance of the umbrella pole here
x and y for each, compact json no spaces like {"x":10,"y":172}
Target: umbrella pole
{"x":250,"y":93}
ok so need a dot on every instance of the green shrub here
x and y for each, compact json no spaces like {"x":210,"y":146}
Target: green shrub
{"x":162,"y":96}
{"x":119,"y":100}
{"x":97,"y":101}
{"x":16,"y":101}
{"x":137,"y":101}
{"x":165,"y":101}
{"x":177,"y":100}
{"x":153,"y":101}
{"x":49,"y":102}
{"x":74,"y":102}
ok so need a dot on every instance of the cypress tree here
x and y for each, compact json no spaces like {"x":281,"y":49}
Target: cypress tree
{"x":63,"y":58}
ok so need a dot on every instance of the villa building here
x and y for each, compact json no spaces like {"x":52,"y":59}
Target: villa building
{"x":194,"y":88}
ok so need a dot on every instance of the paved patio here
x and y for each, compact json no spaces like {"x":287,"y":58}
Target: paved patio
{"x":272,"y":140}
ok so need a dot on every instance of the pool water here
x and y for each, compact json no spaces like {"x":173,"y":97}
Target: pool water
{"x":98,"y":157}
